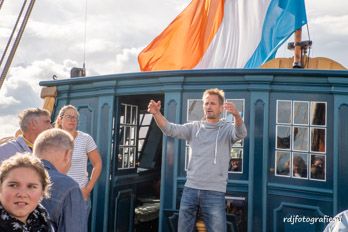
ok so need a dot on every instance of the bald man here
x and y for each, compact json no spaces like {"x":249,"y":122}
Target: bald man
{"x":66,"y":205}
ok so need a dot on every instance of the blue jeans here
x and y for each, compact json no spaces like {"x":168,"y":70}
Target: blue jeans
{"x":212,"y":207}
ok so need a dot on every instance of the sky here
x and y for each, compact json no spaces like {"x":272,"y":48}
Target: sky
{"x":109,"y":34}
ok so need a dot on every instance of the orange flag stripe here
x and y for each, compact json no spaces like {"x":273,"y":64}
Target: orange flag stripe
{"x":183,"y":43}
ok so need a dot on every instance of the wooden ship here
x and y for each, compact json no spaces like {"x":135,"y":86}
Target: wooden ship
{"x":292,"y":164}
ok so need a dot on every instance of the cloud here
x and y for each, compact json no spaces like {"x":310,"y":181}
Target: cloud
{"x":9,"y":125}
{"x":17,"y":96}
{"x":21,"y":89}
{"x":332,"y":25}
{"x":116,"y":31}
{"x":125,"y":60}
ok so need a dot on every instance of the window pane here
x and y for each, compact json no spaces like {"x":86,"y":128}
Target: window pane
{"x":132,"y":136}
{"x":195,"y":110}
{"x":283,"y":137}
{"x":125,"y":157}
{"x":301,"y":139}
{"x":318,"y":137}
{"x":301,"y":114}
{"x":284,"y":112}
{"x":318,"y":167}
{"x":132,"y":157}
{"x":122,"y":119}
{"x":134,"y":115}
{"x":236,"y":165}
{"x":239,"y":143}
{"x":140,"y":144}
{"x":318,"y":113}
{"x":147,"y":119}
{"x":128,"y":114}
{"x":127,"y":135}
{"x":120,"y":158}
{"x":239,"y":103}
{"x":283,"y":163}
{"x":143,"y":131}
{"x":299,"y":165}
{"x":236,"y":161}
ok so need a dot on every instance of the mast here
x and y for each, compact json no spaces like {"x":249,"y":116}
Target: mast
{"x":300,"y":49}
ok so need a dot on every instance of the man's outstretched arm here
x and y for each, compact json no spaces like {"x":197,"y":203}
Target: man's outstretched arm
{"x":155,"y":109}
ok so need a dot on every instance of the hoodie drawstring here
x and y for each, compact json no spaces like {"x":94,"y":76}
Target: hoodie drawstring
{"x":216,"y":142}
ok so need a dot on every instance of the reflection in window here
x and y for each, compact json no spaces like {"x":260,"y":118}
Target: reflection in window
{"x":318,"y":113}
{"x":301,"y":114}
{"x":236,"y":161}
{"x":318,"y":167}
{"x":318,"y":139}
{"x":284,"y":112}
{"x":120,"y":158}
{"x":299,"y":165}
{"x":195,"y":110}
{"x":283,"y":137}
{"x":283,"y":163}
{"x":239,"y":143}
{"x":302,"y":140}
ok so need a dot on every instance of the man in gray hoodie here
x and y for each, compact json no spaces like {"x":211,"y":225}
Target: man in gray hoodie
{"x":211,"y":142}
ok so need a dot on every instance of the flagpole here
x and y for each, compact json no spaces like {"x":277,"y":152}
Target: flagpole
{"x":298,"y":49}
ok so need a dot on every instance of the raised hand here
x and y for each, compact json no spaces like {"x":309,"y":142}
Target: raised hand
{"x":154,"y":107}
{"x":231,"y":108}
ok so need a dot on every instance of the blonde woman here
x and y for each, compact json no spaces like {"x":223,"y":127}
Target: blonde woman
{"x":84,"y":149}
{"x":24,"y":182}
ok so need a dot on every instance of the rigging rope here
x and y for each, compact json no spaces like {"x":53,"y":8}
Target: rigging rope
{"x":85,"y":40}
{"x":18,"y":37}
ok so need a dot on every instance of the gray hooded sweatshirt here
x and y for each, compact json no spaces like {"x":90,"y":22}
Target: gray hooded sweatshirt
{"x":211,"y":145}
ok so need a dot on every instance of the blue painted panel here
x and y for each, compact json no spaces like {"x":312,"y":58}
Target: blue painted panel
{"x":100,"y":195}
{"x":169,"y":161}
{"x":343,"y":159}
{"x":124,"y":214}
{"x":258,"y":168}
{"x":292,"y":217}
{"x":294,"y":197}
{"x":87,"y":108}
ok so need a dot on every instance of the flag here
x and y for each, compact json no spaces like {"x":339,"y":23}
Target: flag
{"x":224,"y":34}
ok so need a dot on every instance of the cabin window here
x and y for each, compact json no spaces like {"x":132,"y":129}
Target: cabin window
{"x":236,"y":161}
{"x":144,"y":125}
{"x":195,"y":113}
{"x":128,"y":136}
{"x":300,"y":146}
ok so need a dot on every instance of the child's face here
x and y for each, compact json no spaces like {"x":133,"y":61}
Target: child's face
{"x":21,"y":192}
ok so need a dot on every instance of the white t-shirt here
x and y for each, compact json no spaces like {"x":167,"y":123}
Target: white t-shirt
{"x":83,"y":144}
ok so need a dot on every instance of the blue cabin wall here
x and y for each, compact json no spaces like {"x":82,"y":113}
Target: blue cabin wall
{"x":269,"y":198}
{"x":96,"y":111}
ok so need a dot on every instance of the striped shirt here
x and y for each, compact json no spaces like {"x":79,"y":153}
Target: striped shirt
{"x":83,"y":144}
